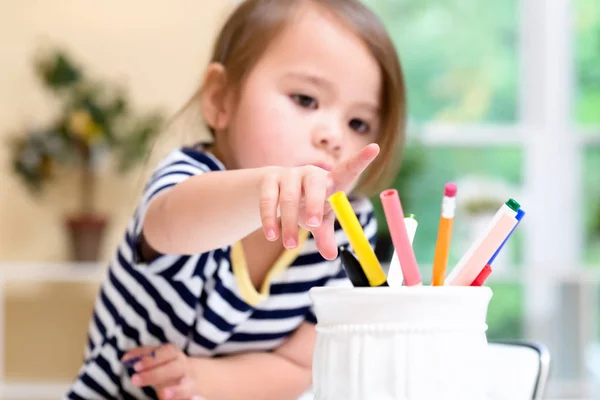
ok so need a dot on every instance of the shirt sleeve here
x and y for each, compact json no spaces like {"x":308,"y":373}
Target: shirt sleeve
{"x":364,"y":211}
{"x":176,"y":168}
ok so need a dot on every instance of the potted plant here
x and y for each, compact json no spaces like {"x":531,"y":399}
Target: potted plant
{"x":95,"y":122}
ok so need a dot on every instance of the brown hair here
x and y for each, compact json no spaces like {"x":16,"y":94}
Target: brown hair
{"x":252,"y":26}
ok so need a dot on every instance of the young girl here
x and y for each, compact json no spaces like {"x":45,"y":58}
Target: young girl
{"x":207,"y":295}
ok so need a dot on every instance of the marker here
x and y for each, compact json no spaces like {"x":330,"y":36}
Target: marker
{"x":519,"y":217}
{"x":471,"y":264}
{"x":395,"y":276}
{"x":395,"y":220}
{"x":132,"y":361}
{"x":483,"y":275}
{"x":356,"y":236}
{"x":444,"y":238}
{"x":487,"y":270}
{"x":353,"y":269}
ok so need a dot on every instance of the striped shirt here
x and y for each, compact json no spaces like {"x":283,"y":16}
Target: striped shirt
{"x":204,"y":304}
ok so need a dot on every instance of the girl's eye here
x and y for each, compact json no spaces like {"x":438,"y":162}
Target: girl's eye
{"x":305,"y":101}
{"x":359,"y":126}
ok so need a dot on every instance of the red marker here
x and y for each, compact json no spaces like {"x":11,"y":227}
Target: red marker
{"x":483,"y":275}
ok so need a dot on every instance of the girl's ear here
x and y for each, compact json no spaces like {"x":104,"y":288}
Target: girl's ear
{"x":214,"y":99}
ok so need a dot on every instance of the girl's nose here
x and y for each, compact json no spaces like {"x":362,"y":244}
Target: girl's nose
{"x":328,"y":139}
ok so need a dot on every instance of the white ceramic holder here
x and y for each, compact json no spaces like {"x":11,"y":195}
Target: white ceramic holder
{"x":404,"y":343}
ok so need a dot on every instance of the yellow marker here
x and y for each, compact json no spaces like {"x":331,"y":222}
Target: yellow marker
{"x":350,"y":224}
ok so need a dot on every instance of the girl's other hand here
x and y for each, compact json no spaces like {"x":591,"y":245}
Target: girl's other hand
{"x":300,"y":196}
{"x":165,"y":368}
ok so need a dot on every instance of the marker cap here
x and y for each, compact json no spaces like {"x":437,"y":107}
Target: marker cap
{"x":513,"y":204}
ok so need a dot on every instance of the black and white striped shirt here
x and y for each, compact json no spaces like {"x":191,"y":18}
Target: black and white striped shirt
{"x":204,"y":303}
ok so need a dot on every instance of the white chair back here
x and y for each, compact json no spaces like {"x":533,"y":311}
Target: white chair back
{"x":517,"y":370}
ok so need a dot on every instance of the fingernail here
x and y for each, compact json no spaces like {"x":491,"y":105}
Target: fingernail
{"x":132,"y":361}
{"x":136,"y":380}
{"x":271,"y":234}
{"x":313,"y":221}
{"x":290,"y":243}
{"x":137,"y":366}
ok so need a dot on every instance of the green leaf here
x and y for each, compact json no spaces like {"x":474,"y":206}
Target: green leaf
{"x":58,"y":71}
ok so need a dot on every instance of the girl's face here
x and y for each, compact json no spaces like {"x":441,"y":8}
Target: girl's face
{"x":312,"y":99}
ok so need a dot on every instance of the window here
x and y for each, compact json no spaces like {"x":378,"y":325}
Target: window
{"x":509,"y":91}
{"x":591,"y":170}
{"x":505,"y":312}
{"x":459,"y":57}
{"x":587,"y":50}
{"x":460,"y":63}
{"x":587,"y":115}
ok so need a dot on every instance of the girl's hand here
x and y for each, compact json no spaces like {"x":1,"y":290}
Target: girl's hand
{"x":300,"y":195}
{"x":166,"y":368}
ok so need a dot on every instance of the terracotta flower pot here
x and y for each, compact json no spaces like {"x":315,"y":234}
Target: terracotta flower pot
{"x":86,"y":233}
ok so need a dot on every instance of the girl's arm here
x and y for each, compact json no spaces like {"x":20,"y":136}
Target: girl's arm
{"x":204,"y":212}
{"x":213,"y":210}
{"x":284,"y":374}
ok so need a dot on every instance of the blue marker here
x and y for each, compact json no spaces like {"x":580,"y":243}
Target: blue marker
{"x":519,"y":217}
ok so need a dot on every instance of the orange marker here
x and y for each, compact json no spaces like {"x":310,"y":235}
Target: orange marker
{"x":442,"y":246}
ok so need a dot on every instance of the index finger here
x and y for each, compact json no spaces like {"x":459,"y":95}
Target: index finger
{"x":348,"y":171}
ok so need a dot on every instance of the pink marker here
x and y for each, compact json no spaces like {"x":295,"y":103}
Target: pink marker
{"x":394,"y":216}
{"x":482,"y":249}
{"x":470,"y":266}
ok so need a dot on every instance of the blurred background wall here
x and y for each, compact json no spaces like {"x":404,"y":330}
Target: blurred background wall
{"x":157,"y":49}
